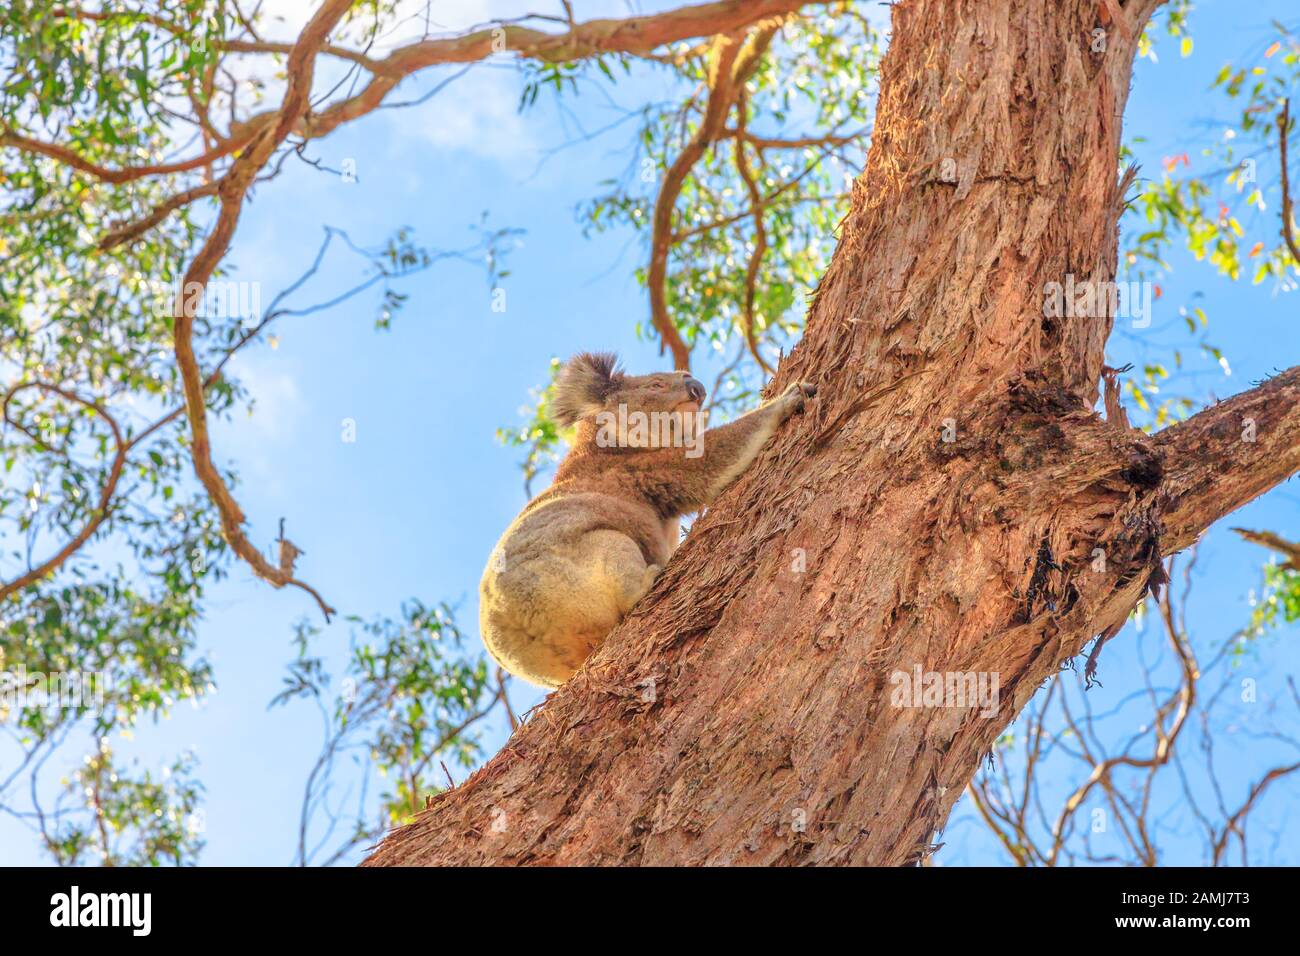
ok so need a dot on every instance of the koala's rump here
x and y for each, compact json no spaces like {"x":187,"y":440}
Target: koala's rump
{"x":563,"y":574}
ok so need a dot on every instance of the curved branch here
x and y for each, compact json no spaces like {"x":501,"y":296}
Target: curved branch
{"x":231,"y":189}
{"x":255,"y":45}
{"x":772,"y":200}
{"x":723,"y":57}
{"x":632,"y":35}
{"x":800,"y":142}
{"x":730,"y":64}
{"x":128,"y":174}
{"x":99,"y":515}
{"x":1283,"y":128}
{"x":1235,"y":822}
{"x":212,"y":377}
{"x":128,"y":231}
{"x":760,"y":233}
{"x":1228,"y":455}
{"x":1182,"y":701}
{"x":1288,"y":550}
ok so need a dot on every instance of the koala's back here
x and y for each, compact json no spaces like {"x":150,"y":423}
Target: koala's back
{"x":562,"y":576}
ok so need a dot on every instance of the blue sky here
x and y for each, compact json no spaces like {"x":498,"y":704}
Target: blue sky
{"x":413,"y":506}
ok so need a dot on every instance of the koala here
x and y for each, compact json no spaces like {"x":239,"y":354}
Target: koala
{"x":585,"y":550}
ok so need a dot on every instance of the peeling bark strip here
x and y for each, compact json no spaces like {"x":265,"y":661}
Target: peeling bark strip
{"x":979,"y":519}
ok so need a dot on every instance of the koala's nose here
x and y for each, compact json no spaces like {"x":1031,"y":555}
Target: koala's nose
{"x":695,"y":390}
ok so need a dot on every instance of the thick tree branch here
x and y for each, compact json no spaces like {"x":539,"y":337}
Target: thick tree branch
{"x":1228,"y":455}
{"x":631,"y":35}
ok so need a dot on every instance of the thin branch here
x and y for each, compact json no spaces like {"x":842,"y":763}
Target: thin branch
{"x":760,"y":233}
{"x":801,"y":142}
{"x":256,"y":45}
{"x":1268,"y":539}
{"x":1283,"y":129}
{"x":501,"y":694}
{"x":275,"y":311}
{"x":129,"y":174}
{"x":1183,"y":700}
{"x":133,"y":230}
{"x":1235,"y":823}
{"x":771,"y":201}
{"x":722,"y":59}
{"x":101,"y":511}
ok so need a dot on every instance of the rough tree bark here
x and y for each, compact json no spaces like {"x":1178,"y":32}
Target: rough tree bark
{"x":770,"y":736}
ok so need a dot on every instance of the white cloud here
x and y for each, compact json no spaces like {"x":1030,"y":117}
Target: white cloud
{"x":284,"y":18}
{"x":278,"y":404}
{"x":477,"y":114}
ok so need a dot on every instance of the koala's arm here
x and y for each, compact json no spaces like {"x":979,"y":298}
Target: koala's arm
{"x":690,"y":484}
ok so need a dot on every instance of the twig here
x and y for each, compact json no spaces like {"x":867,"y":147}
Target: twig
{"x":760,"y":233}
{"x":1283,"y":127}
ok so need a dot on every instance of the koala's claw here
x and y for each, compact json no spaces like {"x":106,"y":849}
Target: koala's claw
{"x":798,"y":392}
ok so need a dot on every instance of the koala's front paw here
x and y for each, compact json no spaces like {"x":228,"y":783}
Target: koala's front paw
{"x":797,"y":394}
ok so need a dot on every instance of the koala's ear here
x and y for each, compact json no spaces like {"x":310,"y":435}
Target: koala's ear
{"x":585,"y":382}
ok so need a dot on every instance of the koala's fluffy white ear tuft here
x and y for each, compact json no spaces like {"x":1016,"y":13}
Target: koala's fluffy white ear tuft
{"x":584,"y":383}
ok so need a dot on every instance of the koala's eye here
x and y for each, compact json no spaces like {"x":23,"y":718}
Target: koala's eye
{"x":658,"y":386}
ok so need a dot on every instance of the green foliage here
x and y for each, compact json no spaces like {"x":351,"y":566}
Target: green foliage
{"x":1280,"y":602}
{"x":814,"y":86}
{"x":1221,"y":203}
{"x":539,"y":436}
{"x":410,"y":699}
{"x":129,"y":822}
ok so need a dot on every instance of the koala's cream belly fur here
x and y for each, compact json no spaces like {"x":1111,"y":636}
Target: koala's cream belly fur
{"x":560,"y":579}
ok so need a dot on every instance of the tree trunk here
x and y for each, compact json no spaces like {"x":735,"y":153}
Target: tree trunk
{"x":951,"y":502}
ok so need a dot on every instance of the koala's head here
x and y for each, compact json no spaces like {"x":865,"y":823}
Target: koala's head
{"x":592,"y":382}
